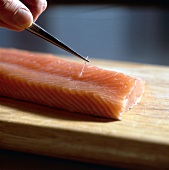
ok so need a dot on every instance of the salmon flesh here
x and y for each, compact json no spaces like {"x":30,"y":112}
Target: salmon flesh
{"x":51,"y":81}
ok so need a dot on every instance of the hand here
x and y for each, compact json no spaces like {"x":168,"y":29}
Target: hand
{"x":19,"y":14}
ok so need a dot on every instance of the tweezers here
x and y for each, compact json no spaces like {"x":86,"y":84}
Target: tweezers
{"x":37,"y":30}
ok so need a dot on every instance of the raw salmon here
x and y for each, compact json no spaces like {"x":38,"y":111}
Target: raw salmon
{"x":48,"y":80}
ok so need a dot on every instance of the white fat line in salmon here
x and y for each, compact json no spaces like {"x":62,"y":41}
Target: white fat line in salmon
{"x":83,"y":67}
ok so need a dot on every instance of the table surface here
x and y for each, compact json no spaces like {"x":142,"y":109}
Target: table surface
{"x":137,"y":140}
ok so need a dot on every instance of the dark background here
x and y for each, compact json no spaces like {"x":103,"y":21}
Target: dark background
{"x":135,"y":31}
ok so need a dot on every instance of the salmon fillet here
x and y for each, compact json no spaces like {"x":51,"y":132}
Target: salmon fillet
{"x":48,"y":80}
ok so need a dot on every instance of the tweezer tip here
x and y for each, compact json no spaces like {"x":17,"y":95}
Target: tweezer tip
{"x":83,"y":58}
{"x":86,"y":59}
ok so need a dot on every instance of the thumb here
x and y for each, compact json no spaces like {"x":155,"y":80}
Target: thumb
{"x":15,"y":14}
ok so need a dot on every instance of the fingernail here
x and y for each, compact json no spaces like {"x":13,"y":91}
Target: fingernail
{"x":23,"y":18}
{"x":44,"y":6}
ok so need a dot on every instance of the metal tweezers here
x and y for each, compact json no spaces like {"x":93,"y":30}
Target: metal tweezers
{"x":37,"y":30}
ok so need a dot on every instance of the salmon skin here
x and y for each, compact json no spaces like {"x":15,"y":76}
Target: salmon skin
{"x":48,"y":80}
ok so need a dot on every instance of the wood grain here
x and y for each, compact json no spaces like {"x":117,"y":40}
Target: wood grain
{"x":140,"y":140}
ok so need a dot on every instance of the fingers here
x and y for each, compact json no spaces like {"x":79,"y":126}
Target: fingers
{"x":36,"y":7}
{"x":3,"y":24}
{"x":14,"y":15}
{"x":19,"y":14}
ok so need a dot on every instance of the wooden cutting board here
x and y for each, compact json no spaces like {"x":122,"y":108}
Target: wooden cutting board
{"x":140,"y":140}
